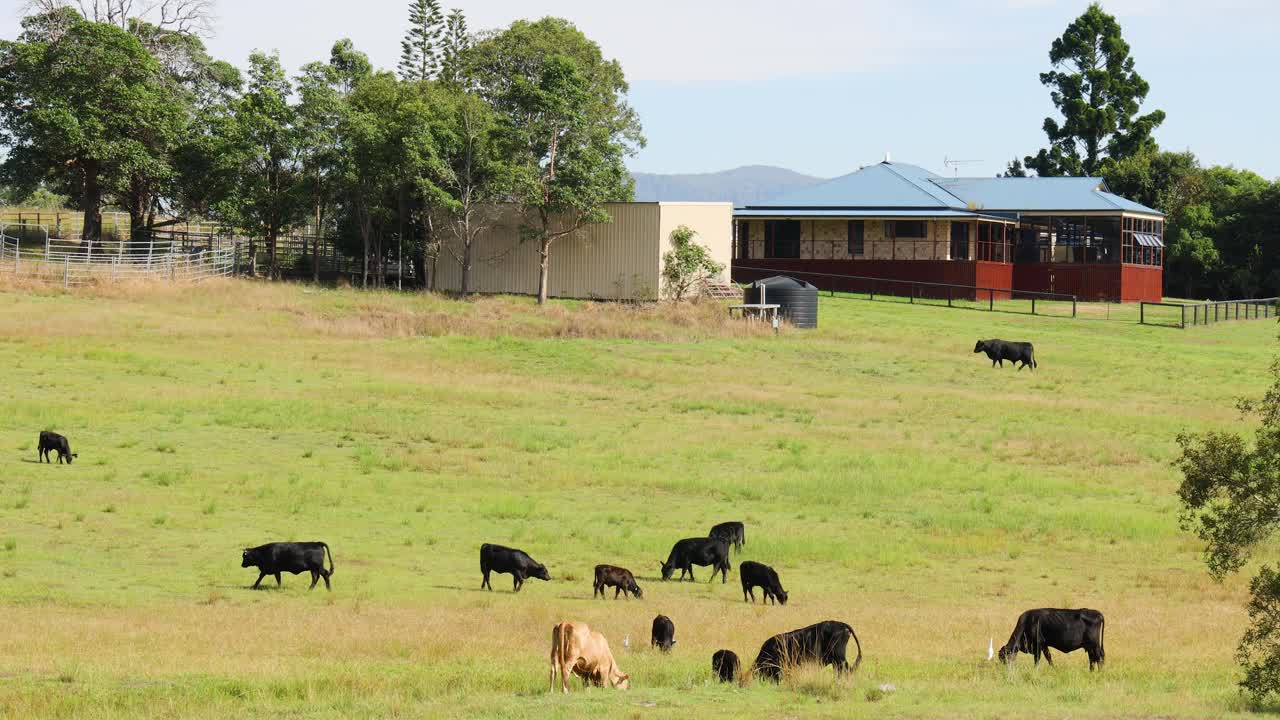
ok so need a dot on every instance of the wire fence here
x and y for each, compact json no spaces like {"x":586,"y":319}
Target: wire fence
{"x":1183,"y":315}
{"x":72,"y":263}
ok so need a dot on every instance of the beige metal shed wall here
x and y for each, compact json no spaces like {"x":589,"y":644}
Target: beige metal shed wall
{"x":617,"y":260}
{"x":712,"y":221}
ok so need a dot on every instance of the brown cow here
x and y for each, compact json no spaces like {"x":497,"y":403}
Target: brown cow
{"x":577,"y":649}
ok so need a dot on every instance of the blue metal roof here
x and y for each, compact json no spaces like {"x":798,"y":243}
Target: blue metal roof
{"x":1040,"y":194}
{"x":854,"y":213}
{"x":886,"y":185}
{"x":891,"y":186}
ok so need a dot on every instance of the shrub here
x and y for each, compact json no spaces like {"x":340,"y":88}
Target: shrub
{"x":687,"y":264}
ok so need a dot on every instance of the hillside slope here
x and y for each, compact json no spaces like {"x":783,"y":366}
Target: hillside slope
{"x":741,"y":186}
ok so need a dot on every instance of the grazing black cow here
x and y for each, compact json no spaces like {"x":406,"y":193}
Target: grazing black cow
{"x":52,"y":441}
{"x":1062,"y":630}
{"x":517,"y":563}
{"x":290,"y":557}
{"x":822,"y":642}
{"x":620,"y":579}
{"x":1014,"y":352}
{"x":724,"y":663}
{"x":664,"y":633}
{"x":697,"y":551}
{"x":731,"y":532}
{"x":756,"y":575}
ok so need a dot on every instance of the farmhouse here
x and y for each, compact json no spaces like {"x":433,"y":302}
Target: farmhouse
{"x":901,"y":222}
{"x":618,"y":260}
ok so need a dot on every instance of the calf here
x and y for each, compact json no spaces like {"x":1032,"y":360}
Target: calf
{"x":290,"y":557}
{"x":577,"y":649}
{"x":697,"y":551}
{"x":1014,"y":352}
{"x":52,"y":441}
{"x":1063,"y":630}
{"x":753,"y":575}
{"x":664,"y":633}
{"x":620,"y":579}
{"x":517,"y":563}
{"x":724,"y":663}
{"x":731,"y":532}
{"x":822,"y":643}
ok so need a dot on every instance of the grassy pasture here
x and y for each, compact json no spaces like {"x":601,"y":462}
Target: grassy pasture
{"x":892,"y":478}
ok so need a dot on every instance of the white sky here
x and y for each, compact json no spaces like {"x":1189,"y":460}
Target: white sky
{"x":821,"y":86}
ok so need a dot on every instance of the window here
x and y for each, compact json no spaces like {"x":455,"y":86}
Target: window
{"x":857,"y":236}
{"x":744,"y":240}
{"x":782,"y":239}
{"x":959,"y":241}
{"x":910,"y":229}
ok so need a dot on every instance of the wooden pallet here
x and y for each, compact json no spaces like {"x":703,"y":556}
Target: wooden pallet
{"x":721,"y":291}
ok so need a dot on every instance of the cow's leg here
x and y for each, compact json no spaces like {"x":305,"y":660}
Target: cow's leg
{"x":315,"y":578}
{"x":325,"y":574}
{"x":279,"y":583}
{"x":616,"y":590}
{"x":259,"y":582}
{"x":748,"y":591}
{"x":517,"y":580}
{"x":566,"y":670}
{"x":595,"y":590}
{"x":691,"y":577}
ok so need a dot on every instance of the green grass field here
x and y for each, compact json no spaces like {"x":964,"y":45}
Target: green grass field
{"x":894,"y":480}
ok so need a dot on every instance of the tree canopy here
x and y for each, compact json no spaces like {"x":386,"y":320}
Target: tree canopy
{"x":1099,"y":93}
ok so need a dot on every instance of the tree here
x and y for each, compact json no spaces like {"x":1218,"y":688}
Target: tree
{"x":1095,"y":87}
{"x":472,"y":176}
{"x":187,"y":17}
{"x":1014,"y":169}
{"x":566,"y":122}
{"x":85,"y":109}
{"x":453,"y":48}
{"x":420,"y":50}
{"x":1230,"y":495}
{"x":687,"y":264}
{"x":264,"y":142}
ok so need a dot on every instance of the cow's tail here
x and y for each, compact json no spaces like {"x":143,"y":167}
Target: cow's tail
{"x":1102,"y":631}
{"x":857,"y":661}
{"x":330,"y":554}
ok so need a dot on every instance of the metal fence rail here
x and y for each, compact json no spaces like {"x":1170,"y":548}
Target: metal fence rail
{"x":916,"y":289}
{"x":62,"y":262}
{"x":1208,"y":313}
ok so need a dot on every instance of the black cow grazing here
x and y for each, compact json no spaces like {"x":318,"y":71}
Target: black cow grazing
{"x":620,"y":579}
{"x":664,"y":633}
{"x":822,"y":643}
{"x":55,"y":442}
{"x":756,"y":575}
{"x":697,"y":551}
{"x":1063,"y":630}
{"x":731,"y":532}
{"x":517,"y":563}
{"x":724,"y":663}
{"x":1014,"y":352}
{"x":290,"y":557}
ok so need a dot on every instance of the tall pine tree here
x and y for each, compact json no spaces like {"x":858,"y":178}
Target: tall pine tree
{"x":455,"y":42}
{"x":1094,"y":86}
{"x":420,"y":49}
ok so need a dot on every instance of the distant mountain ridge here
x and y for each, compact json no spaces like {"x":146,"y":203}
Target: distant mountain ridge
{"x":740,"y":186}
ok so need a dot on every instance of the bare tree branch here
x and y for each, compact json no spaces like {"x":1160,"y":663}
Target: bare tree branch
{"x":189,"y":17}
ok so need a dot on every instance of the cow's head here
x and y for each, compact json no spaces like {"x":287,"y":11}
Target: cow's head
{"x":1007,"y":653}
{"x":636,"y":589}
{"x":667,"y":569}
{"x":782,"y":596}
{"x":249,"y":558}
{"x":982,"y":345}
{"x":619,"y":679}
{"x":541,"y":573}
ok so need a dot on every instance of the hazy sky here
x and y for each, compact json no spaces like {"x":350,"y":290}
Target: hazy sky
{"x":822,"y":86}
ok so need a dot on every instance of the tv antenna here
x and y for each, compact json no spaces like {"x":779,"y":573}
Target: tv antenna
{"x":955,"y":164}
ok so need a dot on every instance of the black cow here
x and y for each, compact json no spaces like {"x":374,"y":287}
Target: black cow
{"x":290,"y":557}
{"x":732,"y":532}
{"x":823,"y":643}
{"x":55,"y":442}
{"x":517,"y":563}
{"x":1014,"y":352}
{"x":753,"y":575}
{"x":697,"y":551}
{"x":664,"y":633}
{"x":620,"y":579}
{"x":1063,"y":630}
{"x":724,"y":663}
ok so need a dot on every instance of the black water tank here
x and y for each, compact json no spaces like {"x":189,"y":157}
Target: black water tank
{"x":798,"y":300}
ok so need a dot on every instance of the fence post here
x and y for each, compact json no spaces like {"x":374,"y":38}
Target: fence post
{"x":912,"y":296}
{"x":948,"y":296}
{"x":991,"y":300}
{"x":1142,"y":312}
{"x":1033,"y":304}
{"x":1073,"y":306}
{"x":66,"y":270}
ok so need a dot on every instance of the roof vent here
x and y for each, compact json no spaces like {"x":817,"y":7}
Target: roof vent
{"x":886,"y":156}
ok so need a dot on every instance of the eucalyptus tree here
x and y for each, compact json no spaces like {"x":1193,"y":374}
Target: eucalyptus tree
{"x":566,"y":123}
